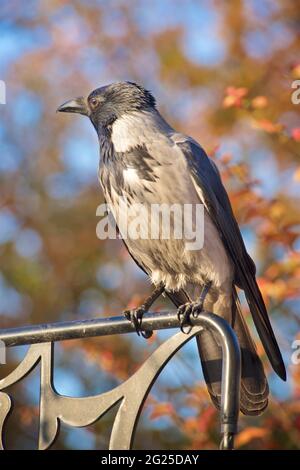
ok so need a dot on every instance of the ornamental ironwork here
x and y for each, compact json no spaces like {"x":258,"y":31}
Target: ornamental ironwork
{"x":129,"y":396}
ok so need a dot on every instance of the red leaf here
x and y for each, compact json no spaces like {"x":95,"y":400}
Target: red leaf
{"x":296,"y":134}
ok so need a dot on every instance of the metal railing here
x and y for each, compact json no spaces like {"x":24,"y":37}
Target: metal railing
{"x":56,"y":408}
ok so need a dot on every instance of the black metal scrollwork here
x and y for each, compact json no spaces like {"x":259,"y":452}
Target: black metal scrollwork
{"x":130,"y":395}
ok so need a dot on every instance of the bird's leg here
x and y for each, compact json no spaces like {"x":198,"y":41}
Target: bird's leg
{"x":192,"y":308}
{"x":136,"y":315}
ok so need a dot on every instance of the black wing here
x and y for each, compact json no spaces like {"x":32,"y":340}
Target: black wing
{"x":206,"y":176}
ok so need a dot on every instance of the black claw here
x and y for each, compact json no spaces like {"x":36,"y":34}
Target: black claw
{"x":135,"y":316}
{"x":127,"y":314}
{"x":184,"y":315}
{"x":130,"y":315}
{"x":197,"y":309}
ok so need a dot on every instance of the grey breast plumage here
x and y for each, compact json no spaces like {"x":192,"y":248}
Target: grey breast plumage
{"x":146,"y":170}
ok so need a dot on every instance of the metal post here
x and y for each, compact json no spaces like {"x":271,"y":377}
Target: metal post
{"x":231,"y":376}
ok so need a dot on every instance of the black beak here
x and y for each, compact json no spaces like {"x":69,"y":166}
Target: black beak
{"x":78,"y":105}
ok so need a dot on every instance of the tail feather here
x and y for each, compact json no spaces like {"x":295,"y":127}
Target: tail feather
{"x":263,"y":326}
{"x":254,"y":386}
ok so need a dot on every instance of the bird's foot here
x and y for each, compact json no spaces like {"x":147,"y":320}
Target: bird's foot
{"x":185,"y":312}
{"x":135,"y":316}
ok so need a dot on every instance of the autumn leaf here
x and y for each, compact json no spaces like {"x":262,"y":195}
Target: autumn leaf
{"x":191,"y":425}
{"x":226,"y":158}
{"x":206,"y":418}
{"x":268,"y":126}
{"x":296,"y":134}
{"x":259,"y":102}
{"x":296,"y":175}
{"x":234,"y":97}
{"x":162,"y":409}
{"x":296,"y":70}
{"x":249,"y":434}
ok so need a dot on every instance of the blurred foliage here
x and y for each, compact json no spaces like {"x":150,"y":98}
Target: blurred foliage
{"x":222,"y":72}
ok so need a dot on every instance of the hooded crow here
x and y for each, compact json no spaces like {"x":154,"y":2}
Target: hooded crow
{"x":145,"y":161}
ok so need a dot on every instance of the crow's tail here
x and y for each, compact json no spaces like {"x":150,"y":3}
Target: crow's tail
{"x":254,"y":385}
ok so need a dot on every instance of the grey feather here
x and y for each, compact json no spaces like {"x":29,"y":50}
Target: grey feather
{"x":207,"y":178}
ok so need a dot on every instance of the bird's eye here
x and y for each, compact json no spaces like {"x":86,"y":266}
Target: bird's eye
{"x":94,"y":102}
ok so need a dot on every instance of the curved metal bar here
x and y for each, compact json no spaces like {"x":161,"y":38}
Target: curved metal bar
{"x":231,"y":376}
{"x":132,"y":393}
{"x":137,"y":387}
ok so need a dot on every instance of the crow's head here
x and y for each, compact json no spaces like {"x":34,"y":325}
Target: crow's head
{"x":106,"y":104}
